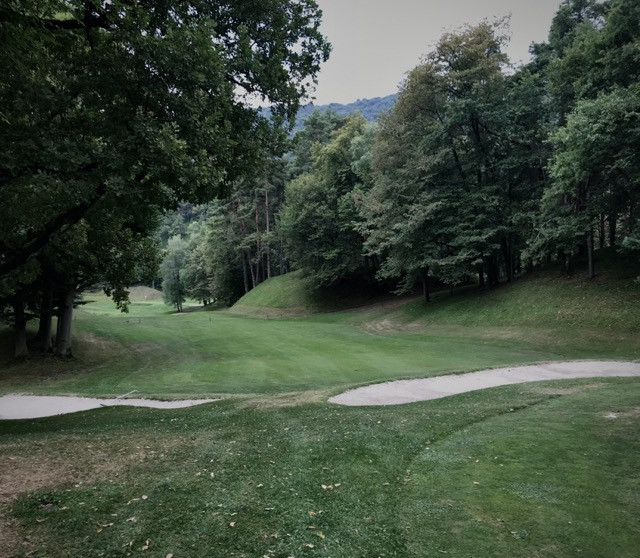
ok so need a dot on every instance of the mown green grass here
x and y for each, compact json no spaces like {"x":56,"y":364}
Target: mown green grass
{"x":554,"y":478}
{"x":163,"y":354}
{"x":557,"y":479}
{"x":199,"y":353}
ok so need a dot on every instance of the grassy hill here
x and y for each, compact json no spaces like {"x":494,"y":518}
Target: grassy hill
{"x":291,"y":295}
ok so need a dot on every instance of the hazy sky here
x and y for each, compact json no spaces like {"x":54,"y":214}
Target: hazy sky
{"x":375,"y":42}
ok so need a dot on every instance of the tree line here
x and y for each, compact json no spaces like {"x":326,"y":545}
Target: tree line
{"x":481,"y":171}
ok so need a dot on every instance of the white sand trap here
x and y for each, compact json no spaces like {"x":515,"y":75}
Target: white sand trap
{"x":36,"y":406}
{"x":409,"y":391}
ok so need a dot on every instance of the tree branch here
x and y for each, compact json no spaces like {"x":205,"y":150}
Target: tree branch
{"x":38,"y":240}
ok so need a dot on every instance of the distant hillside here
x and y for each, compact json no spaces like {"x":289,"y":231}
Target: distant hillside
{"x":369,"y":108}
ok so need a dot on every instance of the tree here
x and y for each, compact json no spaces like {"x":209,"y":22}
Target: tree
{"x":593,"y":75}
{"x":140,"y":103}
{"x":173,"y":285}
{"x":121,"y":109}
{"x":318,"y":220}
{"x":316,"y":131}
{"x":447,"y":183}
{"x":596,"y":169}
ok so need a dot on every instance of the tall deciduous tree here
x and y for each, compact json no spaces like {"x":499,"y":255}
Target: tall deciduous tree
{"x":452,"y":165}
{"x":172,"y":268}
{"x":318,"y":220}
{"x":120,"y":109}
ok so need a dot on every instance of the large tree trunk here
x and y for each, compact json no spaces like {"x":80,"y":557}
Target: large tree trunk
{"x":253,"y":275}
{"x":268,"y":217}
{"x":20,"y":325}
{"x":245,"y":275}
{"x":258,"y":250}
{"x":590,"y":254}
{"x":505,"y":242}
{"x":492,"y":270}
{"x":424,"y":278}
{"x":43,"y":337}
{"x":601,"y":231}
{"x":65,"y":319}
{"x":481,"y":276}
{"x":612,"y":230}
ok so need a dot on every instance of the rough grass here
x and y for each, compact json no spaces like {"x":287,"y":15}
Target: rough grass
{"x":504,"y":472}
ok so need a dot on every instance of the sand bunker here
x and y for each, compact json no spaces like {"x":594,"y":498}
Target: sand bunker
{"x":409,"y":391}
{"x":36,"y":406}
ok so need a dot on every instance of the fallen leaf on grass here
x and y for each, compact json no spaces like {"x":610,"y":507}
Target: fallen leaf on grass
{"x":232,"y":524}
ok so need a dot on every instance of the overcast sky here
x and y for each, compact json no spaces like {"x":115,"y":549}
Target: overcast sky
{"x":375,"y":42}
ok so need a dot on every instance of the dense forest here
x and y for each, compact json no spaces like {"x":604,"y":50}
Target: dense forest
{"x":479,"y":172}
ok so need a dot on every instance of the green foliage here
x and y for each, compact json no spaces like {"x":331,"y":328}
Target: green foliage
{"x":318,"y":219}
{"x":115,"y":112}
{"x":596,"y":163}
{"x":371,"y":109}
{"x":594,"y":166}
{"x":451,"y":164}
{"x":172,"y":269}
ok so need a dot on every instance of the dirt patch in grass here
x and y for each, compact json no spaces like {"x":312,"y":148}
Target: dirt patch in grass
{"x":286,"y":399}
{"x":268,"y":312}
{"x":631,"y":414}
{"x":93,"y":342}
{"x":551,"y":390}
{"x":65,"y":460}
{"x":23,"y":473}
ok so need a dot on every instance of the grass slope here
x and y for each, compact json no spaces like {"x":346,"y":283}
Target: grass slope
{"x":291,"y":295}
{"x":287,"y":292}
{"x":525,"y":471}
